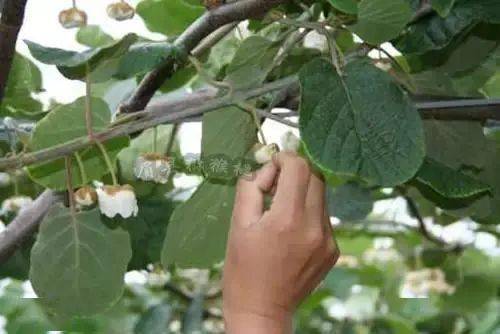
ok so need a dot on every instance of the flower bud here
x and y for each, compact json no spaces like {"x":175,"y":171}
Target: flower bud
{"x":117,"y":200}
{"x":120,"y":11}
{"x":73,"y":18}
{"x":153,"y":167}
{"x":85,"y":196}
{"x":264,"y":153}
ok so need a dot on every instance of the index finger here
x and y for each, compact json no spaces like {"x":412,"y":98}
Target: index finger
{"x":293,"y":183}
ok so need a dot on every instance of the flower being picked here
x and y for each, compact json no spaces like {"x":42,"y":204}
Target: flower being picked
{"x":73,"y":18}
{"x":85,"y":196}
{"x":290,"y":142}
{"x":117,"y":200}
{"x":120,"y":11}
{"x":153,"y":167}
{"x":264,"y":153}
{"x":15,"y":204}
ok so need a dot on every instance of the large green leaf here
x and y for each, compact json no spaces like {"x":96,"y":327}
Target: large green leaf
{"x":443,"y":7}
{"x":456,"y":143}
{"x":252,"y":62}
{"x":143,"y":57}
{"x":169,"y":17}
{"x":77,"y":263}
{"x":62,"y":124}
{"x":147,"y":231}
{"x":346,"y":6}
{"x":449,"y":182}
{"x":93,"y":36}
{"x":471,"y":294}
{"x":349,"y":202}
{"x":435,"y":32}
{"x":361,"y":124}
{"x":102,"y":62}
{"x":381,"y":20}
{"x":24,"y":79}
{"x":197,"y":232}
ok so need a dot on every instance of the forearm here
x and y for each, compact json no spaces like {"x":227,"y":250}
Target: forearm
{"x":253,"y":323}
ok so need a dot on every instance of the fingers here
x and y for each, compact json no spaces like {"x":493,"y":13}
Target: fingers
{"x":249,"y":201}
{"x":292,"y":185}
{"x":315,"y":200}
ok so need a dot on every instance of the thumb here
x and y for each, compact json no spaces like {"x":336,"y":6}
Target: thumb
{"x":249,"y":202}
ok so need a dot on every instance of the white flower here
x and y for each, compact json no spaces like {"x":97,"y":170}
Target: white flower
{"x":85,"y":196}
{"x":419,"y":283}
{"x":4,"y":179}
{"x":290,"y":142}
{"x":264,"y":153}
{"x":117,"y":200}
{"x":348,"y":261}
{"x":381,"y":256}
{"x":120,"y":11}
{"x":153,"y":167}
{"x":73,"y":18}
{"x":16,"y":203}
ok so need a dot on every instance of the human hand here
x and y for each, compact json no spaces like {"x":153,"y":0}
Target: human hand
{"x":275,"y":258}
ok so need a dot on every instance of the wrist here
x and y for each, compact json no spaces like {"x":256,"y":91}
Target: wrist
{"x":264,"y":321}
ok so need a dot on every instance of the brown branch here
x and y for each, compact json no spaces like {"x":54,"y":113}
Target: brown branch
{"x":168,"y":115}
{"x":415,"y":212}
{"x":189,"y":39}
{"x":11,"y":21}
{"x":25,"y":224}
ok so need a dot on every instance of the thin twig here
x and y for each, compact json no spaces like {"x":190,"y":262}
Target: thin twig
{"x":413,"y":208}
{"x":69,"y":185}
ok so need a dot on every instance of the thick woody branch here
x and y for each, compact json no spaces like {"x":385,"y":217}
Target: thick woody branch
{"x":148,"y":120}
{"x":25,"y":224}
{"x":190,"y":38}
{"x":11,"y":21}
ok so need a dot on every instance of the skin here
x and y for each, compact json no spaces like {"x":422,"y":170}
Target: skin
{"x":276,"y":257}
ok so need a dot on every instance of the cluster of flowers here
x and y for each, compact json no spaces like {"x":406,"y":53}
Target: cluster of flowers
{"x":421,"y":283}
{"x":75,"y":18}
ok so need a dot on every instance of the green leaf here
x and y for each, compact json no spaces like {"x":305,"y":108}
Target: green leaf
{"x":54,"y":130}
{"x":77,"y":263}
{"x":472,"y":294}
{"x":443,"y":7}
{"x":360,"y":124}
{"x":147,"y":231}
{"x":434,"y":32}
{"x":93,"y":36}
{"x":346,"y":6}
{"x":449,"y":182}
{"x":340,"y":280}
{"x":252,"y":62}
{"x":392,"y":324}
{"x":155,"y":321}
{"x":102,"y":61}
{"x":457,"y":143}
{"x":229,"y":131}
{"x":143,"y":57}
{"x":349,"y":202}
{"x":24,"y":79}
{"x":197,"y":232}
{"x":381,"y":20}
{"x":169,"y":17}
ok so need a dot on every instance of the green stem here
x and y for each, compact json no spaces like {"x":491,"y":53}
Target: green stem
{"x":155,"y":139}
{"x":252,"y":110}
{"x":69,"y":185}
{"x":171,"y":141}
{"x":108,"y":162}
{"x":81,"y":167}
